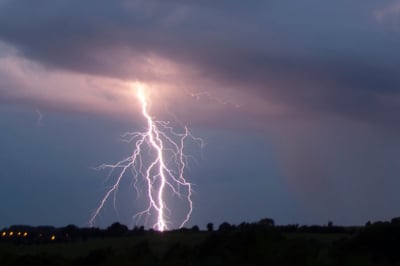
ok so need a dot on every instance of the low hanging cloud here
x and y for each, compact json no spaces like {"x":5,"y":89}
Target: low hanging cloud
{"x":299,"y":61}
{"x":24,"y":81}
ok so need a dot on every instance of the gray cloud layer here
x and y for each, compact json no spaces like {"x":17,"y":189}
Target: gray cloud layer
{"x":314,"y":57}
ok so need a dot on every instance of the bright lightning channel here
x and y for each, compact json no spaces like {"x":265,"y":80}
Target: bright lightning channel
{"x":164,"y":171}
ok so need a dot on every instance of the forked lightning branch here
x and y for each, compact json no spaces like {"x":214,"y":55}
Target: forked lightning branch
{"x":158,"y":172}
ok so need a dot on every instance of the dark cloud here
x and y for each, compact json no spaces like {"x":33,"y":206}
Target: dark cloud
{"x":299,"y":54}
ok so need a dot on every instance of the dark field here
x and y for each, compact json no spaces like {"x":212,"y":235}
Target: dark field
{"x":245,"y":244}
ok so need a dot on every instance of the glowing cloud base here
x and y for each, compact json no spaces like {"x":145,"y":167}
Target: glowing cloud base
{"x":162,"y":173}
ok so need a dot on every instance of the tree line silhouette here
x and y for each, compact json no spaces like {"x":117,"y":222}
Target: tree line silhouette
{"x":257,"y":243}
{"x":43,"y":234}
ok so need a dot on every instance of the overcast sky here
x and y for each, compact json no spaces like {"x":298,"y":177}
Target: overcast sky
{"x":298,"y":103}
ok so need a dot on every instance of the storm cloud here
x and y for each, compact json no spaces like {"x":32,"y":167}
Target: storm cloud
{"x":310,"y":56}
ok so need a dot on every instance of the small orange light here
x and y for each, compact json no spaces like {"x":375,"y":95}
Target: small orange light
{"x":3,"y":234}
{"x":53,"y":237}
{"x":25,"y":234}
{"x":19,"y":233}
{"x":11,"y":233}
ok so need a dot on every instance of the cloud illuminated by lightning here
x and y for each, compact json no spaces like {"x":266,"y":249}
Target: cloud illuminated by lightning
{"x":162,"y":169}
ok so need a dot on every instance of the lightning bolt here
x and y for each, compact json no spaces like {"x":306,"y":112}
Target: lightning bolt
{"x":163,"y":172}
{"x":40,"y":118}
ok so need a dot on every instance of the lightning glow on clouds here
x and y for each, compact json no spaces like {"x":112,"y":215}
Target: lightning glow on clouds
{"x":27,"y":81}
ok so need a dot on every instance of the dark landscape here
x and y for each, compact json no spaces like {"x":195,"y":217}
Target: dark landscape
{"x":260,"y":243}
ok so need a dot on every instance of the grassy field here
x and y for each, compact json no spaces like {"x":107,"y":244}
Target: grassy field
{"x":158,"y":242}
{"x":375,"y":245}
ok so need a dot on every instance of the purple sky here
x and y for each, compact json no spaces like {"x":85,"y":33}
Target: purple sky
{"x":299,"y":105}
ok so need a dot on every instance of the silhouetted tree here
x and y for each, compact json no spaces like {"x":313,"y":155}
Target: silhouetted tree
{"x":395,"y":220}
{"x":266,"y":222}
{"x":210,"y":227}
{"x":225,"y":227}
{"x":70,"y":231}
{"x":244,"y":226}
{"x":137,"y":230}
{"x":195,"y":228}
{"x":117,"y":229}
